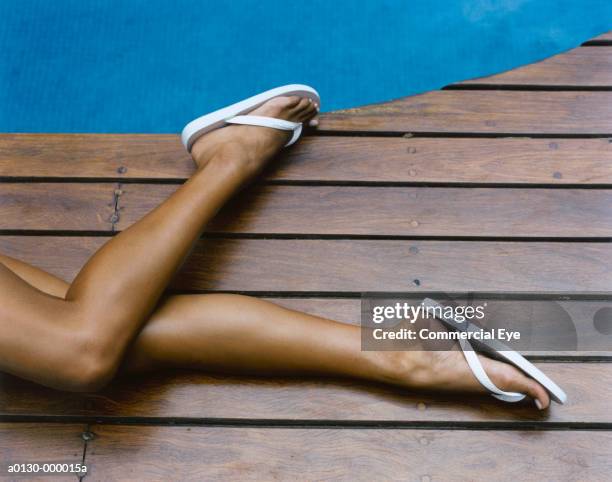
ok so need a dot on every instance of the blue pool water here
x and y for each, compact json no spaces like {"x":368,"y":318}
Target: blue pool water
{"x":152,"y":65}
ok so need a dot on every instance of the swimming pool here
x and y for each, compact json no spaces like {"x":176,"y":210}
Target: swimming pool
{"x":150,"y":66}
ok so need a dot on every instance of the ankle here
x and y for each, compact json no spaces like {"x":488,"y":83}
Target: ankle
{"x":403,"y":368}
{"x":229,"y":160}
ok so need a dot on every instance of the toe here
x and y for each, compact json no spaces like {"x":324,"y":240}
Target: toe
{"x":311,"y":109}
{"x":512,"y":379}
{"x":279,"y":104}
{"x":307,"y":113}
{"x":292,"y":101}
{"x":533,"y":389}
{"x":301,"y":106}
{"x":313,"y":119}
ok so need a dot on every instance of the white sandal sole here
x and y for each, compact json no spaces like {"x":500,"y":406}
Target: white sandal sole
{"x":235,"y":114}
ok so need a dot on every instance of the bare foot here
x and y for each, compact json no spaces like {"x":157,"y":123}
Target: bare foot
{"x":449,"y":371}
{"x":254,"y":145}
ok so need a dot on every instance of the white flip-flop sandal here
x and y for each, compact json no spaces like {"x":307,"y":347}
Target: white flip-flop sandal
{"x":238,"y":114}
{"x":498,"y":350}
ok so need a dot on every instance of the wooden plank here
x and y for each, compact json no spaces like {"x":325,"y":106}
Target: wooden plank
{"x":481,"y":112}
{"x":40,"y":443}
{"x":186,"y":394}
{"x":395,"y":211}
{"x":320,"y":158}
{"x":604,"y":36}
{"x":223,"y":453}
{"x":581,"y":67}
{"x":360,"y":266}
{"x":86,"y":207}
{"x":93,"y":155}
{"x":317,"y":265}
{"x":323,"y":210}
{"x":447,"y":160}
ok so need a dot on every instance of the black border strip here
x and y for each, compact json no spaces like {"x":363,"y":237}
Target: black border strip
{"x":435,"y":184}
{"x":332,"y":237}
{"x":597,"y":43}
{"x":489,"y":295}
{"x":529,"y":87}
{"x":513,"y":425}
{"x":466,"y":135}
{"x":310,"y":183}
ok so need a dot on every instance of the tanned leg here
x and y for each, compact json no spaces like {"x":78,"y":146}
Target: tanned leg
{"x":77,"y":343}
{"x":239,"y":334}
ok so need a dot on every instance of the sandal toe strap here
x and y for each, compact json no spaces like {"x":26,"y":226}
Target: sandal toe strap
{"x":272,"y":122}
{"x":480,"y":374}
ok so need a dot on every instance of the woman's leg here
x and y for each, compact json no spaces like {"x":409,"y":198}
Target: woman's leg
{"x":239,"y":334}
{"x":77,"y":343}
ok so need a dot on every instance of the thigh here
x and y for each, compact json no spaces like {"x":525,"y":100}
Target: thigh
{"x":34,"y":329}
{"x":36,"y":277}
{"x":138,"y":357}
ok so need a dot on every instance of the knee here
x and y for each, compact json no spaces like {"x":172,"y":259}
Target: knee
{"x":93,"y":364}
{"x":92,"y":376}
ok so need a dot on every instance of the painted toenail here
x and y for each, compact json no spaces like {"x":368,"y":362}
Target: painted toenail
{"x":538,"y":404}
{"x":313,"y":122}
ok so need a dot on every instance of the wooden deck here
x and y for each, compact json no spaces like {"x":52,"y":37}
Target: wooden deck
{"x":494,"y":184}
